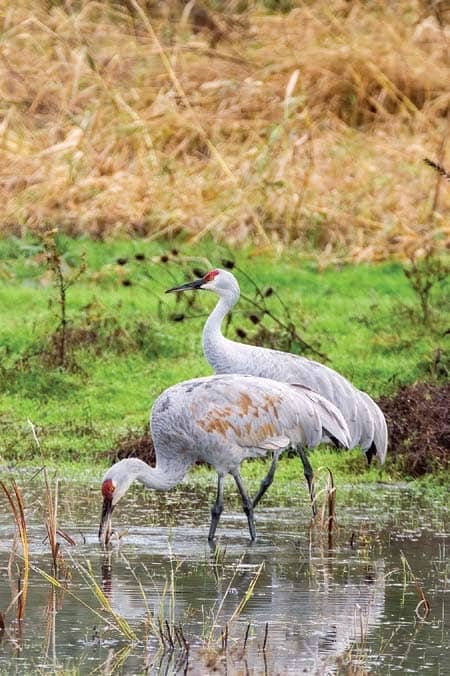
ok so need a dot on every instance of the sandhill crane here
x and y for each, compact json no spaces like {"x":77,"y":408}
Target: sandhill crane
{"x":222,"y":420}
{"x":364,"y":418}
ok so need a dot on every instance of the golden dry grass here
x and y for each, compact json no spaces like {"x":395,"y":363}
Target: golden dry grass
{"x":307,"y":128}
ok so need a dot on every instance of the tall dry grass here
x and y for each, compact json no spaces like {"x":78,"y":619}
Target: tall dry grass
{"x":308,"y":127}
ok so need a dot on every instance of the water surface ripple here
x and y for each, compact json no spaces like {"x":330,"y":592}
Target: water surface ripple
{"x":313,"y":607}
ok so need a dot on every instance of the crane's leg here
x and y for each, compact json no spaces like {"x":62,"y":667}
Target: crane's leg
{"x":247,"y":505}
{"x":370,"y":453}
{"x":217,"y":508}
{"x":309,"y":476}
{"x":265,"y":483}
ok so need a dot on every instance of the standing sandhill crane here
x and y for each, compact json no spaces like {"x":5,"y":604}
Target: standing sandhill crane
{"x":364,"y":418}
{"x":222,"y":420}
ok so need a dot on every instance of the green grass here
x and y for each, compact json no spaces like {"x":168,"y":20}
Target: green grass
{"x":352,"y":478}
{"x":357,"y":315}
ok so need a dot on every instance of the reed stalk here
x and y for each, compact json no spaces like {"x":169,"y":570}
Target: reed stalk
{"x":328,"y":519}
{"x":112,"y":618}
{"x":247,"y":594}
{"x":52,"y":519}
{"x":423,"y":608}
{"x":16,"y":506}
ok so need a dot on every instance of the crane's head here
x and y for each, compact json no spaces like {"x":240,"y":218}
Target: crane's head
{"x":220,"y":281}
{"x":115,"y":484}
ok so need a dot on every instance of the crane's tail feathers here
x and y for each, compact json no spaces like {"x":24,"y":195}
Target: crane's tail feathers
{"x":379,"y":444}
{"x":333,"y":423}
{"x":333,"y":439}
{"x":334,"y":426}
{"x":367,"y":417}
{"x":375,"y":438}
{"x":380,"y":436}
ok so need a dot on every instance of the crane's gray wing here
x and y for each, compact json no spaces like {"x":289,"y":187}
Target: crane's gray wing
{"x":223,"y":419}
{"x":256,"y":413}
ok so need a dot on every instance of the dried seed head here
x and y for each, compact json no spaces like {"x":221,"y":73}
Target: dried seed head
{"x":227,"y":264}
{"x":174,"y":252}
{"x":197,"y":272}
{"x":164,"y":258}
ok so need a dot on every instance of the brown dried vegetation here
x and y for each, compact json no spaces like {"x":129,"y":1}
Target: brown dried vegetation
{"x":135,"y":445}
{"x":304,"y":127}
{"x":419,"y":427}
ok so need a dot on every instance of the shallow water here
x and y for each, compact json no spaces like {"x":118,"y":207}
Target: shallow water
{"x":316,"y":607}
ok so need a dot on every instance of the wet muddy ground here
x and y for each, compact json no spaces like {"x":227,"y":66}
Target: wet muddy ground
{"x":290,"y":603}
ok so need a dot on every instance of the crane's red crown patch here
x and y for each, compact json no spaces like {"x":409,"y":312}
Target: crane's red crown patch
{"x":108,"y":487}
{"x":210,"y":275}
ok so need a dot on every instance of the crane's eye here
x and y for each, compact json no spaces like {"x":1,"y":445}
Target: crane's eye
{"x":210,"y":275}
{"x":108,"y":488}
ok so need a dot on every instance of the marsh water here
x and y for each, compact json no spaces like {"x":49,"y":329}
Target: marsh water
{"x":292,"y":602}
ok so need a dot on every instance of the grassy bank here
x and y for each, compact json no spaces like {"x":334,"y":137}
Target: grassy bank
{"x":288,"y":122}
{"x":126,"y":341}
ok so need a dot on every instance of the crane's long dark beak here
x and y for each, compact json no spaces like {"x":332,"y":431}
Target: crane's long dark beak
{"x":105,"y":530}
{"x":190,"y":286}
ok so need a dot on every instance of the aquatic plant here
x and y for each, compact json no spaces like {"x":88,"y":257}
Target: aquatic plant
{"x":110,"y":616}
{"x":51,"y":522}
{"x":423,"y":608}
{"x":17,"y":508}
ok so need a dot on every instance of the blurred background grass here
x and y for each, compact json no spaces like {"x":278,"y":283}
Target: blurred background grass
{"x":280,"y":122}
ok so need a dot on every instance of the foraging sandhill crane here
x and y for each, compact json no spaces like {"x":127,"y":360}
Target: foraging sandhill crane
{"x":364,"y":418}
{"x":222,"y":420}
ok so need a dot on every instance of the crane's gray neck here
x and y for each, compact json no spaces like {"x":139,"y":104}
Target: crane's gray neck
{"x":213,"y":340}
{"x":162,"y":477}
